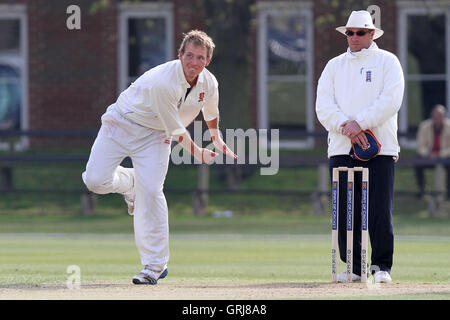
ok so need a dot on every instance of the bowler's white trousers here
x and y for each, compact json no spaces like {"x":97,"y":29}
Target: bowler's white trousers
{"x":149,"y":151}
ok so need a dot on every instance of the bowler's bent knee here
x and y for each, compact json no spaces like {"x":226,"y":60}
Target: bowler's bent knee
{"x":97,"y":183}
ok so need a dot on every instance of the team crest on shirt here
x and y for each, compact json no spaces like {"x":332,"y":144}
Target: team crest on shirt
{"x":368,"y":76}
{"x":201,"y":96}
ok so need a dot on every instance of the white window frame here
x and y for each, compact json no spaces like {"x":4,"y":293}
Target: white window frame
{"x":18,"y":12}
{"x":284,"y":8}
{"x":141,"y":10}
{"x":405,"y":9}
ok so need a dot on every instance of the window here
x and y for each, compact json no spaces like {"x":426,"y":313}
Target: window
{"x":424,"y":55}
{"x":285,"y":71}
{"x":13,"y":71}
{"x":146,"y":39}
{"x":10,"y":94}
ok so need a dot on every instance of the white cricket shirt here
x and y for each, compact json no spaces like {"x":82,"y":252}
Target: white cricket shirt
{"x":157,"y":99}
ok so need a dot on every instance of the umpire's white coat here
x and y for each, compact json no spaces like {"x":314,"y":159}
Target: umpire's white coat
{"x":366,"y":86}
{"x":140,"y":125}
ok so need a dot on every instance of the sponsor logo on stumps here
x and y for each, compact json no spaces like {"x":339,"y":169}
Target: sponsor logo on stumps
{"x":364,"y":205}
{"x":334,"y":213}
{"x":350,"y":206}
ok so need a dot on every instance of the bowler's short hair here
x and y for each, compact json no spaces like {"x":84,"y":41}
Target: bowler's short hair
{"x":198,"y":38}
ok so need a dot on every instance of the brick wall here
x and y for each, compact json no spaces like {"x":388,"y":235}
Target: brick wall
{"x":73,"y":73}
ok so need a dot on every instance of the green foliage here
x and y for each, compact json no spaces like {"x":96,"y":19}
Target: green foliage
{"x":98,"y":5}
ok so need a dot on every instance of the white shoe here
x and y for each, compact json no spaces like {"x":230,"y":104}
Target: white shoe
{"x":342,"y":277}
{"x":382,"y":277}
{"x":147,"y":276}
{"x":130,"y":196}
{"x":129,"y":199}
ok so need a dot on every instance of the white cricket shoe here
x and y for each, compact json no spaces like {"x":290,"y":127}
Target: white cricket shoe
{"x":129,"y":197}
{"x":382,"y":277}
{"x":342,"y":277}
{"x":147,"y":276}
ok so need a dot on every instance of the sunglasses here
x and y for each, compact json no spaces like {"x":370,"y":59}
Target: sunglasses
{"x":359,"y":33}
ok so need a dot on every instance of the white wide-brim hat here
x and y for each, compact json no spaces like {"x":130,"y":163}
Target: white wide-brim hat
{"x":361,"y":19}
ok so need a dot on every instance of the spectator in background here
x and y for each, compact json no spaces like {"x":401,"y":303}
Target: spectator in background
{"x":433,"y":142}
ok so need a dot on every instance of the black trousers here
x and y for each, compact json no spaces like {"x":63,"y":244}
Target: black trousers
{"x":381,"y":199}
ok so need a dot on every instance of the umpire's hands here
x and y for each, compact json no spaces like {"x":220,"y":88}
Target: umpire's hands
{"x":353,"y":131}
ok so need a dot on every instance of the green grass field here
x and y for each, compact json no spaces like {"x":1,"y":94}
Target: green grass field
{"x":286,"y":255}
{"x":274,"y":247}
{"x":37,"y":259}
{"x":41,"y":261}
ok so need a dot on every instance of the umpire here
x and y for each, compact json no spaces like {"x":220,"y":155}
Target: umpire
{"x":359,"y":90}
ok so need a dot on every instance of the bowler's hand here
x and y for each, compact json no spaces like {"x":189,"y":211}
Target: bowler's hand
{"x":220,"y":145}
{"x":201,"y":154}
{"x":353,"y":131}
{"x":207,"y":155}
